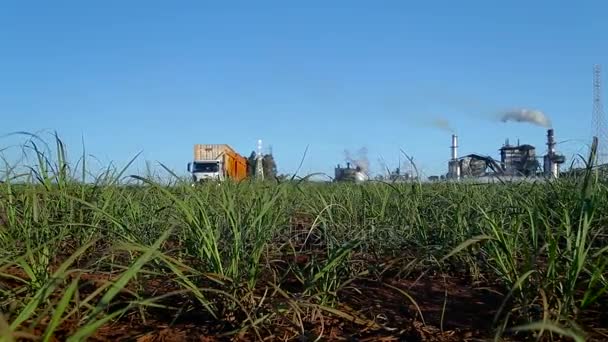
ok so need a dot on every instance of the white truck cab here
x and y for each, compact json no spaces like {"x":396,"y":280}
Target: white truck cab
{"x":203,"y":170}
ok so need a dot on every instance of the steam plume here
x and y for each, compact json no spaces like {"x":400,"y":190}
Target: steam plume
{"x":532,"y":116}
{"x":359,"y":160}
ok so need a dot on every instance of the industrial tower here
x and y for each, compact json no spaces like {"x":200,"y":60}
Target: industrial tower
{"x":599,"y":120}
{"x":259,"y":166}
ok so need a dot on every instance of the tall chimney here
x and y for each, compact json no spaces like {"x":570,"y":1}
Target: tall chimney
{"x":551,"y":167}
{"x":551,"y":141}
{"x":454,"y":147}
{"x":453,"y":165}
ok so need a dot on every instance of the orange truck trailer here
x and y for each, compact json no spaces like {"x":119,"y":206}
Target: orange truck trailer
{"x":217,"y":162}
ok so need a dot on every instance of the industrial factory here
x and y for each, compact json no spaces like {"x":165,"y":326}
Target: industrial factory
{"x":516,"y":161}
{"x":349,"y":174}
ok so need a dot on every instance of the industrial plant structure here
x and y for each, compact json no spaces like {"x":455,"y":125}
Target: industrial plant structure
{"x":552,"y":160}
{"x":349,"y":174}
{"x":516,"y":161}
{"x":399,"y":176}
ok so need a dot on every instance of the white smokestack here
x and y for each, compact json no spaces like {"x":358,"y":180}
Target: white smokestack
{"x":551,"y":159}
{"x":454,"y":146}
{"x":454,"y":165}
{"x":553,"y":166}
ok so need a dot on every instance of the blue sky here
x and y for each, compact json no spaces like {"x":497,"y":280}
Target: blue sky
{"x":158,"y":77}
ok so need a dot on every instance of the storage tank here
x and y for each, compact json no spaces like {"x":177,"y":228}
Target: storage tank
{"x":360,"y":176}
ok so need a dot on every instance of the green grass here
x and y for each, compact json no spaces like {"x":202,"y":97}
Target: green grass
{"x":228,"y":251}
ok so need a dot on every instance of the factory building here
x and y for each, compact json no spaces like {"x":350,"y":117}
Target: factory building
{"x":471,"y":165}
{"x":475,"y":165}
{"x":516,"y":161}
{"x":349,"y":174}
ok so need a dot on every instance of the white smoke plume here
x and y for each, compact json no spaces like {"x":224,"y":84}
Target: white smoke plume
{"x":532,"y":116}
{"x":359,"y":160}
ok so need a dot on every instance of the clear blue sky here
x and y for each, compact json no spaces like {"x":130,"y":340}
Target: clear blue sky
{"x":160,"y":76}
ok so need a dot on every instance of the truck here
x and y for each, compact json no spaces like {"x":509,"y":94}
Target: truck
{"x":217,"y":162}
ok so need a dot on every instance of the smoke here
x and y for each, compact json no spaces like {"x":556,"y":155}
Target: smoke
{"x":360,"y":159}
{"x":383,"y":167}
{"x":532,"y":116}
{"x":442,"y":124}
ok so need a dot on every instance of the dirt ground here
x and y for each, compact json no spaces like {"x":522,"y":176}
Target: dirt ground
{"x":453,"y":309}
{"x":461,"y":313}
{"x":388,"y":307}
